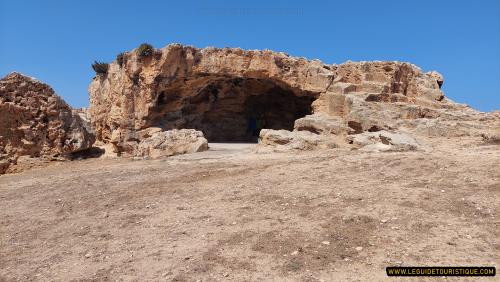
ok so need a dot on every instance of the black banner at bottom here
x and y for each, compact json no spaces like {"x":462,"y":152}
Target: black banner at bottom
{"x":441,"y":271}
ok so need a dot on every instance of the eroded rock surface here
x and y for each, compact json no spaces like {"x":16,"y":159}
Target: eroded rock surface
{"x":172,"y":142}
{"x":213,"y":90}
{"x":36,"y":124}
{"x":384,"y":141}
{"x":225,"y":92}
{"x":84,"y":115}
{"x":283,"y":140}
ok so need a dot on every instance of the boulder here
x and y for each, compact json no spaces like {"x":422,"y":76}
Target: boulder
{"x":323,"y":124}
{"x":172,"y":142}
{"x":36,"y":123}
{"x":384,"y":141}
{"x":284,"y":140}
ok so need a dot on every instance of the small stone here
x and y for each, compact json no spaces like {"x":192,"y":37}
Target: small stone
{"x":359,"y":249}
{"x":384,"y":220}
{"x":295,"y":253}
{"x":442,"y":191}
{"x":468,"y":236}
{"x":88,"y":255}
{"x":325,"y":242}
{"x":347,"y":259}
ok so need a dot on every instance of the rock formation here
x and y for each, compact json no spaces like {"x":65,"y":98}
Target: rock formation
{"x":212,"y":90}
{"x":384,"y":141}
{"x":36,"y":123}
{"x":171,"y":142}
{"x":84,"y":115}
{"x":284,"y":140}
{"x":221,"y":92}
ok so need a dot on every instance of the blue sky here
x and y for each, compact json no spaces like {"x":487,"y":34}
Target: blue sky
{"x":56,"y":41}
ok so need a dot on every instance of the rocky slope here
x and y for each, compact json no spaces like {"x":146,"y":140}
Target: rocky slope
{"x":230,"y":215}
{"x":36,"y":124}
{"x":221,"y":91}
{"x":227,"y":213}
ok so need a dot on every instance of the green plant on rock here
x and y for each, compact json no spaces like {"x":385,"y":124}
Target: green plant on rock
{"x":145,"y":50}
{"x":100,"y":67}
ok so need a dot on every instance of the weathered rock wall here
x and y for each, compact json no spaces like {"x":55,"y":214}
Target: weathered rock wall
{"x":185,"y":87}
{"x":174,"y":85}
{"x":36,"y":123}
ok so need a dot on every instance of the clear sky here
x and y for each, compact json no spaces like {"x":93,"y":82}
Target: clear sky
{"x":56,"y":41}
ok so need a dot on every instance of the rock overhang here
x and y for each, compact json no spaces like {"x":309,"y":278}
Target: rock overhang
{"x":126,"y":99}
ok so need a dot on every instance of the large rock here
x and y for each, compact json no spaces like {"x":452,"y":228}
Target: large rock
{"x":36,"y":123}
{"x":284,"y":140}
{"x":172,"y":142}
{"x":215,"y":91}
{"x":223,"y":92}
{"x":323,"y":124}
{"x":184,"y":87}
{"x":384,"y":141}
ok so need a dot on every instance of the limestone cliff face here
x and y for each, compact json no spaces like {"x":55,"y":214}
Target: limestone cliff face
{"x":36,"y":123}
{"x":218,"y":91}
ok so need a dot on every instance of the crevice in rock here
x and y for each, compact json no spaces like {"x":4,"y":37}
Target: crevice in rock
{"x":93,"y":152}
{"x":374,"y":129}
{"x":356,"y":126}
{"x":310,"y":129}
{"x":401,"y":80}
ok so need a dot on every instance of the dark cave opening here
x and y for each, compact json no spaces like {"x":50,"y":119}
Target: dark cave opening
{"x":231,"y":109}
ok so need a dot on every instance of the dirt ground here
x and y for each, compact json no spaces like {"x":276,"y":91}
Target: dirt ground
{"x":232,"y":215}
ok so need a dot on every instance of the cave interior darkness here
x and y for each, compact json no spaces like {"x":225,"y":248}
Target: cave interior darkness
{"x":229,"y":109}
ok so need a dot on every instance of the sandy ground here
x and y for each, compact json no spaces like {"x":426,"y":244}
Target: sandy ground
{"x":231,"y":215}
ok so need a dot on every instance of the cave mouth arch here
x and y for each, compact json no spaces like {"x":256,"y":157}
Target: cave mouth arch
{"x":230,"y":109}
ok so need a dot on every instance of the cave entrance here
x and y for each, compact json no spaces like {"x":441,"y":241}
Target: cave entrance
{"x":232,"y":109}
